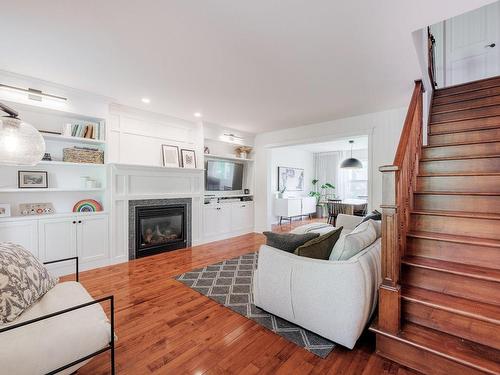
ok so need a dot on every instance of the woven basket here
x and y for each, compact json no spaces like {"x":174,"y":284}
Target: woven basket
{"x":75,"y":155}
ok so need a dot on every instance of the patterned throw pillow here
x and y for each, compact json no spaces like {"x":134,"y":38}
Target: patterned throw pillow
{"x":23,"y":280}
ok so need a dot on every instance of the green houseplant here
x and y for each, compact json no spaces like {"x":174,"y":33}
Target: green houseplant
{"x":325,"y":193}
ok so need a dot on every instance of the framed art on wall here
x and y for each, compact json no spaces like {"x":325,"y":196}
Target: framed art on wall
{"x":170,"y":155}
{"x":290,"y":179}
{"x":32,"y":180}
{"x":188,"y":158}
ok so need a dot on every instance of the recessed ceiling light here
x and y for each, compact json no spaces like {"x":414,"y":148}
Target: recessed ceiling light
{"x":197,"y":114}
{"x":146,"y":100}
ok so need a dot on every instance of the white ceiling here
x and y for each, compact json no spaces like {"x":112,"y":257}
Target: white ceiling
{"x":360,"y":143}
{"x":252,"y":65}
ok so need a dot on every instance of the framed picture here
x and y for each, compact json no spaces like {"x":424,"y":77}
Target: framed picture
{"x":32,"y":179}
{"x":290,"y":179}
{"x":170,"y":156}
{"x":188,"y":158}
{"x":4,"y":209}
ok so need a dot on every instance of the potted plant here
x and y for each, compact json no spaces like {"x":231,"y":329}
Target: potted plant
{"x":316,"y":194}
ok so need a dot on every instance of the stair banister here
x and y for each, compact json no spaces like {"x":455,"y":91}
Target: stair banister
{"x":398,"y":185}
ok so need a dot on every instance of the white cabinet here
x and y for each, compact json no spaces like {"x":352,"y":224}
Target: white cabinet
{"x":53,"y":238}
{"x":291,"y":207}
{"x":57,"y":238}
{"x":224,"y":220}
{"x":216,"y":219}
{"x":24,"y":233}
{"x":241,"y":216}
{"x":92,"y":238}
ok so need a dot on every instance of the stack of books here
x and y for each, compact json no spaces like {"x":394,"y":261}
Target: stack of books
{"x":89,"y":130}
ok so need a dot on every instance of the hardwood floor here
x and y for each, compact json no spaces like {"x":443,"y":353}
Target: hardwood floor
{"x":164,"y":327}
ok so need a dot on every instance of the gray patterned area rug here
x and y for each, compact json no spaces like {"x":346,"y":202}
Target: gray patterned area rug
{"x":230,"y":284}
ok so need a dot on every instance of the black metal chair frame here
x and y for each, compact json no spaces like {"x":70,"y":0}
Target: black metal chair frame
{"x":110,"y":346}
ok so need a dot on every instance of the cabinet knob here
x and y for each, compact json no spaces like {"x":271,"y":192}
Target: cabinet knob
{"x":74,"y":222}
{"x":79,"y":221}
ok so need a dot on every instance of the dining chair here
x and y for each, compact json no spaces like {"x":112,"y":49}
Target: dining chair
{"x":335,"y":207}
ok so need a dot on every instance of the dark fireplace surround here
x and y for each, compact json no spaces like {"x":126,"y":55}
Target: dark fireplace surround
{"x":158,"y":225}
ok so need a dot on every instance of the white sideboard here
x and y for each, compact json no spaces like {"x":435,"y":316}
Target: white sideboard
{"x":224,"y":220}
{"x":62,"y":236}
{"x":287,"y":208}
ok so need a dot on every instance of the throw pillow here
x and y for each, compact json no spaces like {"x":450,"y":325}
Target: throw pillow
{"x":23,"y":280}
{"x":288,"y":241}
{"x":374,"y":215}
{"x":351,"y":244}
{"x":320,"y":247}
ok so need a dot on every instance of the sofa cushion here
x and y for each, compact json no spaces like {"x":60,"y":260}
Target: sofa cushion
{"x":23,"y":280}
{"x":320,"y":247}
{"x":350,"y":244}
{"x":41,"y":347}
{"x":288,"y":241}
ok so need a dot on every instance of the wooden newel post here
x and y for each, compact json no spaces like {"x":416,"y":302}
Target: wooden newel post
{"x":390,"y":290}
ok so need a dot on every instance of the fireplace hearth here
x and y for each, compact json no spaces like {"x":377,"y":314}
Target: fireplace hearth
{"x":157,"y":226}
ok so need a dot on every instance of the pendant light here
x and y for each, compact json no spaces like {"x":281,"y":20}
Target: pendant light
{"x":351,"y":163}
{"x":20,"y":142}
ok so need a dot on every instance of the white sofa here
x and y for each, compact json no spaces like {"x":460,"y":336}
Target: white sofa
{"x":49,"y":344}
{"x":334,"y":299}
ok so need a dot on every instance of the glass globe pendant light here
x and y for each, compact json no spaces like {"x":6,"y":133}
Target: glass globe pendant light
{"x":20,"y":142}
{"x":351,"y":163}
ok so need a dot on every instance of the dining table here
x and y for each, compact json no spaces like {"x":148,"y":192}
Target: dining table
{"x":352,"y":205}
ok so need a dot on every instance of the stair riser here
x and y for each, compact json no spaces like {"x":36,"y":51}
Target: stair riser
{"x":481,"y":149}
{"x":440,"y":100}
{"x":486,"y":135}
{"x":466,"y":114}
{"x":446,"y":127}
{"x":452,"y":284}
{"x":465,"y":203}
{"x":477,"y":184}
{"x":486,"y":165}
{"x":469,"y":104}
{"x":420,"y":360}
{"x":480,"y":331}
{"x":474,"y":255}
{"x":461,"y":226}
{"x":472,"y":86}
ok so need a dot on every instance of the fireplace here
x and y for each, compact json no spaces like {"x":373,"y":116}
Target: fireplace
{"x":157,"y":228}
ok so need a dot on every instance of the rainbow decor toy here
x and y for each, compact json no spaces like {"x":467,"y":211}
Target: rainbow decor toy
{"x":87,"y":205}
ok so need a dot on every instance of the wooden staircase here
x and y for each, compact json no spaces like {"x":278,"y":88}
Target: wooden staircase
{"x":439,"y":307}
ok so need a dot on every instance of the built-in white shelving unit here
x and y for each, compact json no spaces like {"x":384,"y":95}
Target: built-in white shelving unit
{"x":61,"y":138}
{"x":227,"y":157}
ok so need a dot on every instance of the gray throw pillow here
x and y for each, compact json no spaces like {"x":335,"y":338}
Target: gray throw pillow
{"x":23,"y":280}
{"x":288,"y":241}
{"x":321,"y":247}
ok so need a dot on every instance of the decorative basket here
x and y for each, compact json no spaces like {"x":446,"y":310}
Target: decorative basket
{"x":79,"y":155}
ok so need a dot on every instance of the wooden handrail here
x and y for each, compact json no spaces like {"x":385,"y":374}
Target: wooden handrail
{"x":399,"y":183}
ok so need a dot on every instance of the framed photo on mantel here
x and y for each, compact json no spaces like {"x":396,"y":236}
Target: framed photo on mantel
{"x":170,"y":156}
{"x":188,"y":158}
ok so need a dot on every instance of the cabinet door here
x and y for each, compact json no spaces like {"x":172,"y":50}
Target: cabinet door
{"x":241,"y":216}
{"x":92,"y":236}
{"x":294,"y":207}
{"x":308,"y":205}
{"x":224,"y":218}
{"x":211,"y":220}
{"x":57,"y":238}
{"x":24,"y":233}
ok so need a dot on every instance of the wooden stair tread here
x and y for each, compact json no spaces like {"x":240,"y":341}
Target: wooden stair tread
{"x":467,"y":95}
{"x":444,"y":158}
{"x":461,"y":143}
{"x":470,"y":117}
{"x":427,"y":192}
{"x":487,"y":101}
{"x":480,"y":84}
{"x":475,"y":272}
{"x":468,"y":353}
{"x":458,"y":174}
{"x":476,"y":215}
{"x":442,"y":132}
{"x":461,"y":306}
{"x":454,"y":238}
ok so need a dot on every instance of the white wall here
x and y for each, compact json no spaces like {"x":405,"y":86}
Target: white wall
{"x":290,"y":157}
{"x":383,"y":129}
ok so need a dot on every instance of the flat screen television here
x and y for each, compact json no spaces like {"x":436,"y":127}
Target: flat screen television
{"x":223,"y":175}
